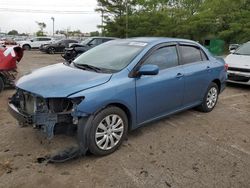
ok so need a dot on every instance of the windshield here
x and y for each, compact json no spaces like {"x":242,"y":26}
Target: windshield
{"x":86,"y":41}
{"x":243,"y":50}
{"x":59,"y":41}
{"x":112,"y":56}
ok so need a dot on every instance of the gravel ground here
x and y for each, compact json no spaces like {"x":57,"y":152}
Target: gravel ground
{"x":189,"y":149}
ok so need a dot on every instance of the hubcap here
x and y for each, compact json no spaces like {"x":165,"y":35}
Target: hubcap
{"x":109,"y":132}
{"x":52,"y":50}
{"x":212,"y":97}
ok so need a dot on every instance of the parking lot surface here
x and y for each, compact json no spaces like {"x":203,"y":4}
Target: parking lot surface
{"x":189,"y":149}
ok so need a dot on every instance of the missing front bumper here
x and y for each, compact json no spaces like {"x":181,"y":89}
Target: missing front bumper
{"x":45,"y":121}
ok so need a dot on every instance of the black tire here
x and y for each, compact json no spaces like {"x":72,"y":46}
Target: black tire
{"x":1,"y":84}
{"x":107,"y":112}
{"x":205,"y":107}
{"x":26,"y":47}
{"x":51,"y":50}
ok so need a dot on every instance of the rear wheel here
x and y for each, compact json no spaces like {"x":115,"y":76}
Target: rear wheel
{"x":51,"y":50}
{"x":108,"y":130}
{"x":1,"y":84}
{"x":210,"y":99}
{"x":26,"y":47}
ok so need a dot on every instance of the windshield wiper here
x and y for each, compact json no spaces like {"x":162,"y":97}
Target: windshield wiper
{"x":86,"y":66}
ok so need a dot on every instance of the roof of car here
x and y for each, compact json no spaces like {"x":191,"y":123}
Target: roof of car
{"x":159,"y":39}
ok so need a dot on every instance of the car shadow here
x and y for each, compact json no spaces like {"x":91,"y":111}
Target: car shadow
{"x":238,"y":86}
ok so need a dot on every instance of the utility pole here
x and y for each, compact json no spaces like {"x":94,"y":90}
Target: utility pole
{"x":53,"y":20}
{"x":126,"y":18}
{"x":102,"y":24}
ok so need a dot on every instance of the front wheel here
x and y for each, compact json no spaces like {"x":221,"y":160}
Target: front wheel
{"x":108,"y":130}
{"x":210,"y":99}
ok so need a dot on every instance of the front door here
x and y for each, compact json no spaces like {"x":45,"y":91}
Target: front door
{"x":163,"y":93}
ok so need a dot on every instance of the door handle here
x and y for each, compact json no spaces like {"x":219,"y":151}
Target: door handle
{"x":179,"y":75}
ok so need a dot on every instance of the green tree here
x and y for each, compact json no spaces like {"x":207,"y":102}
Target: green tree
{"x":13,"y":32}
{"x":192,"y":19}
{"x":41,"y":26}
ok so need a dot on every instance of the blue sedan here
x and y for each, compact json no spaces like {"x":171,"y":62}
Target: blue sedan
{"x":119,"y":86}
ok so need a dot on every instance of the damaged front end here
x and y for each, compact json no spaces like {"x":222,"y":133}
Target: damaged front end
{"x":47,"y":114}
{"x":42,"y":113}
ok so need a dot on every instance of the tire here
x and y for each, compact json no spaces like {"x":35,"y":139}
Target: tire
{"x":108,"y":130}
{"x":210,"y":99}
{"x":51,"y":50}
{"x":1,"y":84}
{"x":26,"y":47}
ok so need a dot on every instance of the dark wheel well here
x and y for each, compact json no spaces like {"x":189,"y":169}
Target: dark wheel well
{"x":26,"y":45}
{"x":218,"y":83}
{"x":2,"y":76}
{"x":126,"y":110}
{"x":1,"y":83}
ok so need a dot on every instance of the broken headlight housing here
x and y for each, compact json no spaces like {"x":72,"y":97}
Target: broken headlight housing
{"x":60,"y":105}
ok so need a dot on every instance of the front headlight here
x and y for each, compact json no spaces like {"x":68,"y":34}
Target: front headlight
{"x":60,"y":105}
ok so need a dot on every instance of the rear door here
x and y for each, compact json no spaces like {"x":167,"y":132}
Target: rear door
{"x":41,"y":41}
{"x":197,"y":70}
{"x":163,"y":93}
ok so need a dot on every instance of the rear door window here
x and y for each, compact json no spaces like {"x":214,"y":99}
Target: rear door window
{"x":190,"y":54}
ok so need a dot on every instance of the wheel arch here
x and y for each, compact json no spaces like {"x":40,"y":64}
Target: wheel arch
{"x":26,"y":44}
{"x":125,"y":109}
{"x":218,"y":83}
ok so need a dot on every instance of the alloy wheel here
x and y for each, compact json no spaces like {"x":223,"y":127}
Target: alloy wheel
{"x":109,"y":132}
{"x":212,"y":97}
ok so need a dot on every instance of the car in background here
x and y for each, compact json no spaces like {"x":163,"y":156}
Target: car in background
{"x":8,"y":41}
{"x":35,"y":43}
{"x":233,"y":47}
{"x":239,"y":65}
{"x":119,"y":86}
{"x":78,"y":48}
{"x":56,"y":47}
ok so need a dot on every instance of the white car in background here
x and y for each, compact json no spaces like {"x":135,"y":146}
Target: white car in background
{"x":35,"y":42}
{"x":239,"y":65}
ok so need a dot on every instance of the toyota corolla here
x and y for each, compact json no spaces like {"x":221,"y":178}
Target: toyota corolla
{"x":117,"y":87}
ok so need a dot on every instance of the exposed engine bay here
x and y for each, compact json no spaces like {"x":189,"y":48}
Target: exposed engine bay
{"x":42,"y":113}
{"x":50,"y":115}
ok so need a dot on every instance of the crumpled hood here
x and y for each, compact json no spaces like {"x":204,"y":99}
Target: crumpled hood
{"x":238,"y":61}
{"x":60,"y":80}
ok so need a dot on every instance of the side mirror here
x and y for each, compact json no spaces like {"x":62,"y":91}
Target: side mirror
{"x":148,"y":70}
{"x":232,"y":51}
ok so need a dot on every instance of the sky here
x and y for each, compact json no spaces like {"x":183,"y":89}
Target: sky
{"x":22,"y":15}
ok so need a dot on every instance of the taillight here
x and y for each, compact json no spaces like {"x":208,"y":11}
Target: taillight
{"x":226,"y":66}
